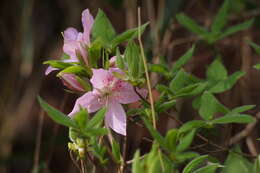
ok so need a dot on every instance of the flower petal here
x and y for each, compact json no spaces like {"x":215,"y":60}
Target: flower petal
{"x":99,"y":77}
{"x":87,"y":22}
{"x":126,"y":94}
{"x":116,"y":118}
{"x":90,"y":101}
{"x":70,"y":34}
{"x":70,"y":47}
{"x":49,"y":70}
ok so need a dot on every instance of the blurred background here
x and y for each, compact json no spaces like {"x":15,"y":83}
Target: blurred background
{"x":30,"y":33}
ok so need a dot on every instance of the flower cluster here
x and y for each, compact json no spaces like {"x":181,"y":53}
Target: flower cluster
{"x":107,"y":90}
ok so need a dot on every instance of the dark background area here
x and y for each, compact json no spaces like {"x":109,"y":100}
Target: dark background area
{"x":30,"y":33}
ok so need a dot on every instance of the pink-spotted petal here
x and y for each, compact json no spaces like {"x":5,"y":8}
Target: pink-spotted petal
{"x":126,"y":94}
{"x":90,"y":101}
{"x":99,"y":78}
{"x":87,"y":22}
{"x":116,"y":118}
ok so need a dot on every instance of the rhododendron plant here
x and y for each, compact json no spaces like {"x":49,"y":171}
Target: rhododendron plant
{"x":107,"y":77}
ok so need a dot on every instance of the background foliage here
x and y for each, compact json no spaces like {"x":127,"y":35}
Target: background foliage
{"x":222,"y":62}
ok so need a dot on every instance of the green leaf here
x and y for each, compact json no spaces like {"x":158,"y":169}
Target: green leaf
{"x":191,"y":90}
{"x":159,"y":68}
{"x":56,"y":115}
{"x":127,"y":35}
{"x":119,"y":60}
{"x":255,"y":46}
{"x":132,"y":58}
{"x":191,"y":25}
{"x":186,"y":141}
{"x":257,"y":66}
{"x":181,"y":80}
{"x":116,"y":151}
{"x":171,"y":139}
{"x":182,"y":157}
{"x":242,"y":108}
{"x":216,"y":70}
{"x":208,"y":169}
{"x":221,"y":17}
{"x":156,"y":135}
{"x":234,"y":118}
{"x":236,"y":163}
{"x":94,"y":53}
{"x":227,"y":84}
{"x":81,"y":118}
{"x":91,"y":132}
{"x":102,"y":28}
{"x":190,"y":125}
{"x":183,"y":60}
{"x":137,"y":167}
{"x":162,"y":107}
{"x":97,"y":118}
{"x":75,"y":69}
{"x":209,"y":106}
{"x":236,"y":28}
{"x":257,"y":165}
{"x":190,"y":167}
{"x":58,"y":64}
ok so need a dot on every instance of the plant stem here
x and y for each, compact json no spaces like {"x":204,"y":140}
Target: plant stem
{"x":146,"y":69}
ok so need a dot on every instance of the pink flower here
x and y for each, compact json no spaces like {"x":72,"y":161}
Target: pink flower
{"x":76,"y":42}
{"x":110,"y":92}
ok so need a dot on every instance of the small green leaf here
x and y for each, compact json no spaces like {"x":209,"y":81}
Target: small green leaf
{"x":216,"y":70}
{"x":102,"y":28}
{"x":132,"y":58}
{"x":182,"y":157}
{"x":181,"y":80}
{"x":257,"y":66}
{"x":190,"y":125}
{"x":75,"y":69}
{"x":127,"y":35}
{"x":191,"y":25}
{"x":186,"y":141}
{"x":257,"y":165}
{"x":116,"y":151}
{"x":255,"y":46}
{"x":209,"y":106}
{"x":236,"y":163}
{"x":234,"y":118}
{"x":81,"y":118}
{"x":90,"y":132}
{"x":94,"y":53}
{"x":165,"y":106}
{"x":183,"y":60}
{"x":236,"y":28}
{"x":190,"y":167}
{"x":208,"y":169}
{"x":119,"y":60}
{"x":97,"y":118}
{"x":221,"y":17}
{"x":159,"y":68}
{"x":58,"y":64}
{"x":227,"y":84}
{"x":171,"y":139}
{"x":56,"y":115}
{"x":137,"y":167}
{"x":242,"y":108}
